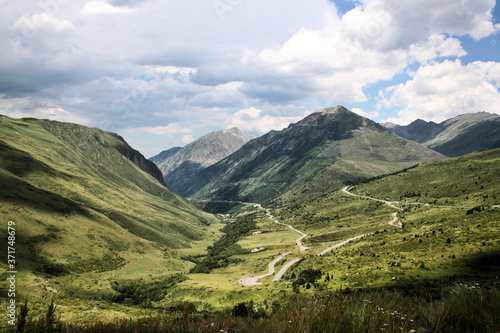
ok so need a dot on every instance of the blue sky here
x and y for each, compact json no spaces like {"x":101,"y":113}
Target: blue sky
{"x":162,"y":73}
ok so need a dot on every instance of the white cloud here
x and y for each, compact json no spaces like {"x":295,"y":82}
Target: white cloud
{"x":28,"y":24}
{"x":170,"y":129}
{"x":186,"y":139}
{"x":252,"y":121}
{"x":373,"y":42}
{"x":440,"y":91}
{"x":391,"y":24}
{"x":436,"y":46}
{"x":92,"y":8}
{"x":361,"y":112}
{"x":31,"y":107}
{"x":141,"y":63}
{"x":329,"y":64}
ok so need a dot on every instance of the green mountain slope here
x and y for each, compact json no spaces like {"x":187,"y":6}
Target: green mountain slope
{"x":84,"y":201}
{"x":461,"y":135}
{"x":320,"y":153}
{"x":450,"y":215}
{"x":450,"y":235}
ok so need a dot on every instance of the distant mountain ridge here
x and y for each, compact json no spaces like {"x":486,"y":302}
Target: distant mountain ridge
{"x":320,"y":153}
{"x":460,"y":135}
{"x":181,"y":165}
{"x":157,"y":159}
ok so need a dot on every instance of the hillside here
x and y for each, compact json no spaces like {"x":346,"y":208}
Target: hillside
{"x":318,"y":154}
{"x":461,"y":135}
{"x":181,"y":165}
{"x":450,"y":213}
{"x":449,"y":240}
{"x":83,"y":201}
{"x":423,"y":276}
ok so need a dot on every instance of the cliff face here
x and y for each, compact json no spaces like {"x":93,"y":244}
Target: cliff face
{"x":139,"y":160}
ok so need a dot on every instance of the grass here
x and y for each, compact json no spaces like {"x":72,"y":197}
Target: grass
{"x":335,"y":311}
{"x":85,"y":213}
{"x":77,"y":236}
{"x":437,"y":244}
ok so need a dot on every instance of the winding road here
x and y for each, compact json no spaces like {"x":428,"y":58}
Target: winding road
{"x":252,"y":280}
{"x":340,"y":244}
{"x":285,"y":268}
{"x":298,"y":241}
{"x":395,"y":222}
{"x":390,"y":203}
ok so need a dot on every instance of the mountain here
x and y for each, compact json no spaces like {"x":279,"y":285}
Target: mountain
{"x":184,"y":164}
{"x":164,"y":155}
{"x":461,"y":135}
{"x":83,"y":200}
{"x":320,"y":153}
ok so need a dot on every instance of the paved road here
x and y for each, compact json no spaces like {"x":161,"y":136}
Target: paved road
{"x":252,"y":280}
{"x":285,"y":268}
{"x":390,"y":203}
{"x":394,"y":220}
{"x":298,"y":241}
{"x":340,"y":244}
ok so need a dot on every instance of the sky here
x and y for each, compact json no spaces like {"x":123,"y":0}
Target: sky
{"x":162,"y":73}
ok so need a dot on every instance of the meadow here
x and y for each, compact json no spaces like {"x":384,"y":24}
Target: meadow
{"x":186,"y":279}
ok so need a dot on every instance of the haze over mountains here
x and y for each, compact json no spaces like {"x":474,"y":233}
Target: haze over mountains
{"x":461,"y":135}
{"x":161,"y":157}
{"x":179,"y":165}
{"x":320,"y":153}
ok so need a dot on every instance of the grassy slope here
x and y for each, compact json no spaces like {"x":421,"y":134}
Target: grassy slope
{"x":437,"y":244}
{"x":81,"y":207}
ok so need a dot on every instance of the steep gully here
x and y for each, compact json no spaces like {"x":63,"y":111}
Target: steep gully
{"x":252,"y":280}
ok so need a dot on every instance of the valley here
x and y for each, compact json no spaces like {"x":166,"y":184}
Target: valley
{"x":252,"y":280}
{"x":101,"y":236}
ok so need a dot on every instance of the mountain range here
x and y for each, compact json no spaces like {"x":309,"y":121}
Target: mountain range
{"x":97,"y":230}
{"x":320,"y":153}
{"x":179,"y":165}
{"x":161,"y":157}
{"x":461,"y":135}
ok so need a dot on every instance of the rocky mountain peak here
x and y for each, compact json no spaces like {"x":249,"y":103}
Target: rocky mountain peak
{"x":334,"y":110}
{"x":199,"y":154}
